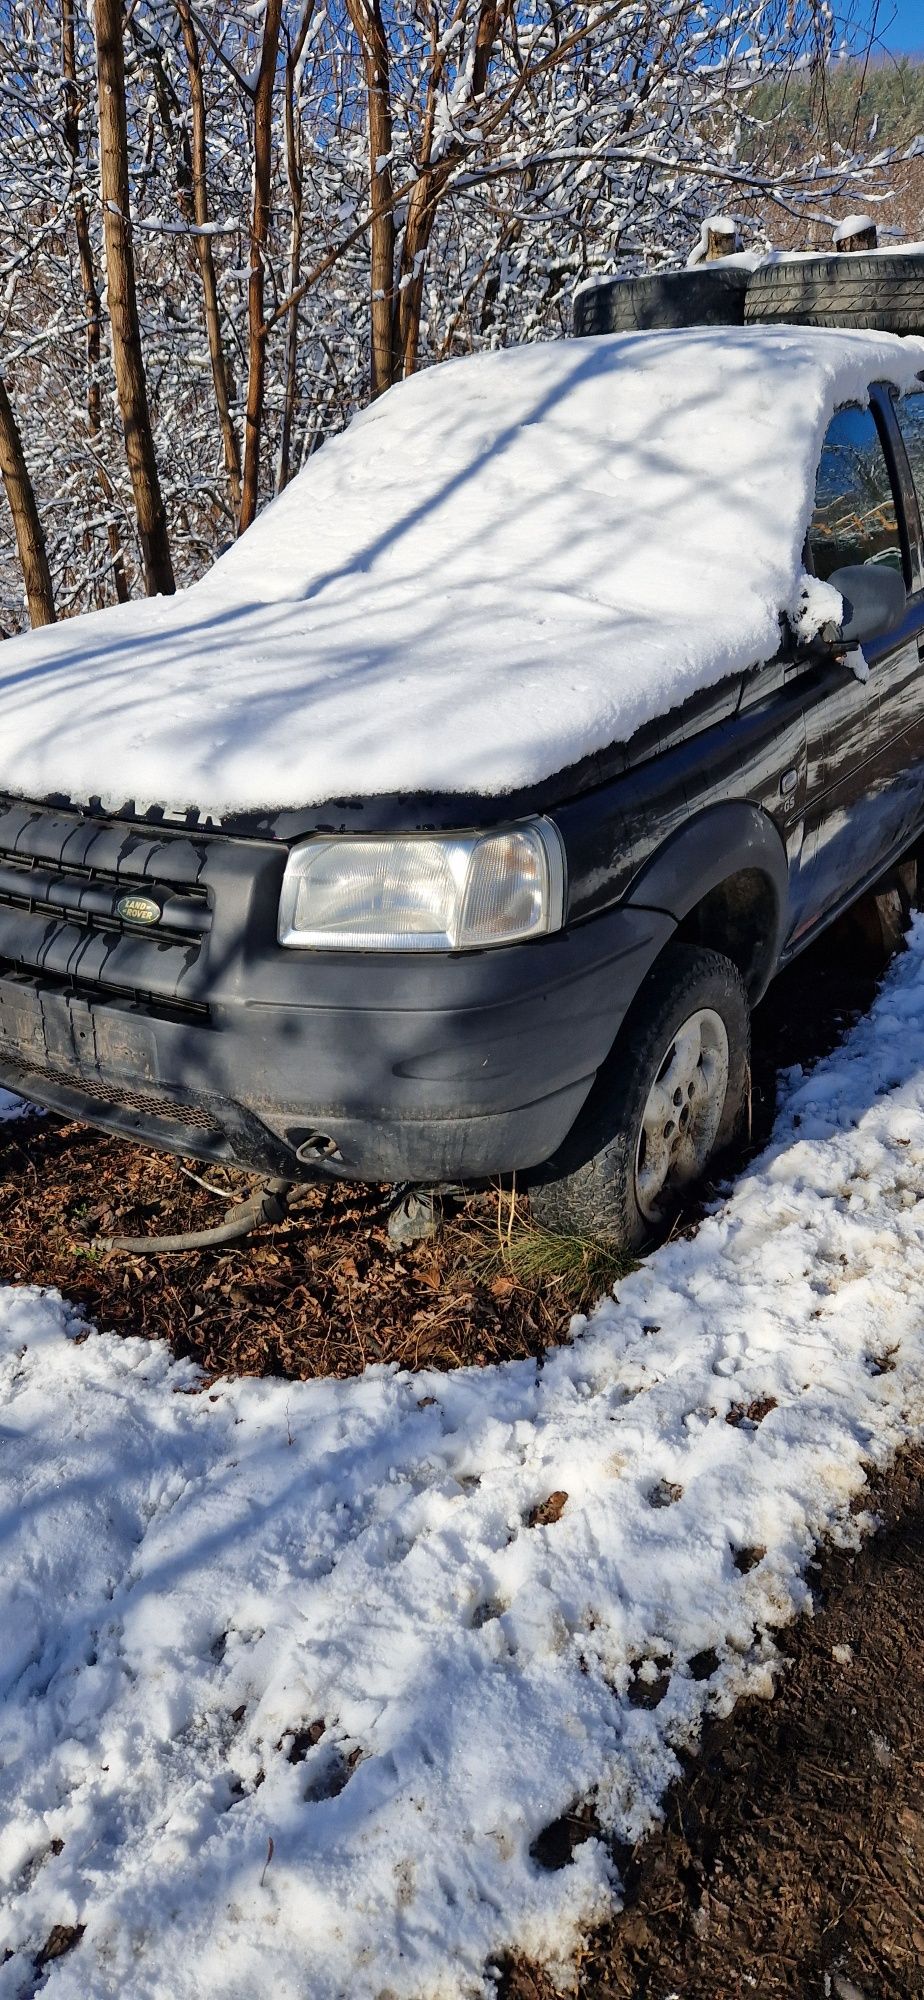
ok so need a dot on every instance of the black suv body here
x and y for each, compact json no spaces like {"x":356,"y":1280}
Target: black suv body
{"x":740,"y":824}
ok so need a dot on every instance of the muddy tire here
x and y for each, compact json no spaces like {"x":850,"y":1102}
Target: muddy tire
{"x":874,"y":289}
{"x":667,"y":298}
{"x":672,"y":1098}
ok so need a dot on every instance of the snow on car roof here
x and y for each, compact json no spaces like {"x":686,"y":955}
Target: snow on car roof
{"x":506,"y":563}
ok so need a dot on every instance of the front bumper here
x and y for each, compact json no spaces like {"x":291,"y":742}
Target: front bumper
{"x":217,"y":1042}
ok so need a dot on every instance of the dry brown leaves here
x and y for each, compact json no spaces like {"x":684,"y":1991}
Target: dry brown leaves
{"x":324,"y":1294}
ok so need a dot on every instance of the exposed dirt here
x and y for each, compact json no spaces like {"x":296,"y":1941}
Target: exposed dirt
{"x":321,"y":1295}
{"x":326,"y":1293}
{"x":791,"y":1860}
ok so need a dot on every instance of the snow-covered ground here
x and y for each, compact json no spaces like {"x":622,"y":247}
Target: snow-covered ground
{"x":13,"y":1107}
{"x":504,"y":564}
{"x":291,"y":1677}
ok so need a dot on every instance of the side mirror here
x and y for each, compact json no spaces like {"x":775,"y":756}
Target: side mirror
{"x":875,"y":601}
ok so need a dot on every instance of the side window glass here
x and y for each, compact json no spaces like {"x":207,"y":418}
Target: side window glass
{"x":855,"y":519}
{"x":910,"y":413}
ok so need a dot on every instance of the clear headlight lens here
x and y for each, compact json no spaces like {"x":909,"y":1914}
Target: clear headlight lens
{"x":423,"y":892}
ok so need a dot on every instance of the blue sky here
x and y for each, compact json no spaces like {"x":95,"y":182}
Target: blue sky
{"x":901,"y":26}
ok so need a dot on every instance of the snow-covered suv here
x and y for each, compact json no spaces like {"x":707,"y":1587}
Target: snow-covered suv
{"x":453,"y":823}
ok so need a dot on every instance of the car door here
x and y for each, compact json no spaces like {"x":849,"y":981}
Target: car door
{"x":899,"y":771}
{"x":852,"y":812}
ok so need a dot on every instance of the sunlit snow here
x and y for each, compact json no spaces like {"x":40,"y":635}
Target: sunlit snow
{"x":505,"y":564}
{"x":290,"y":1683}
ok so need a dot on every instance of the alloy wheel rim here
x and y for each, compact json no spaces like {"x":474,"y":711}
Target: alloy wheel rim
{"x":683,"y":1111}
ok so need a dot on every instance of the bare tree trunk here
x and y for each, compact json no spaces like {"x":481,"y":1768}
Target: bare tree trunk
{"x":257,"y":331}
{"x":91,"y":296}
{"x":122,"y":300}
{"x":418,"y":228}
{"x":294,"y":172}
{"x":206,"y":257}
{"x":30,"y":540}
{"x":366,"y":16}
{"x":427,"y":193}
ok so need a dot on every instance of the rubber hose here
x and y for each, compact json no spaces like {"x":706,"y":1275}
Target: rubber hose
{"x":268,"y":1205}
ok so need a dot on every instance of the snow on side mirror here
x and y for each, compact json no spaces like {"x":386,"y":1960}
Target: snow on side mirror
{"x":875,"y":601}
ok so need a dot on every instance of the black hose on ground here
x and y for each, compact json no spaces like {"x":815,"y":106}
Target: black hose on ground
{"x":268,"y":1203}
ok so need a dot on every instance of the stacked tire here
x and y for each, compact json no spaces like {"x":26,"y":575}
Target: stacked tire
{"x":883,"y":290}
{"x":710,"y":297}
{"x":879,"y":289}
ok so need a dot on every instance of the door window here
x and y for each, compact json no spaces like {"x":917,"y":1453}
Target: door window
{"x":855,"y":519}
{"x":910,"y":413}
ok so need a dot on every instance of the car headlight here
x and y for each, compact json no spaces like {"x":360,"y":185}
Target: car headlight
{"x":423,"y":892}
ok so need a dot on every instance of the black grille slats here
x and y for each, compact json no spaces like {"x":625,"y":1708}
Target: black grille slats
{"x":125,"y":963}
{"x":94,"y":899}
{"x":62,"y":878}
{"x":79,"y":845}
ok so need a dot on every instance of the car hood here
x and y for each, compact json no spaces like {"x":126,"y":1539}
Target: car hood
{"x":504,"y":565}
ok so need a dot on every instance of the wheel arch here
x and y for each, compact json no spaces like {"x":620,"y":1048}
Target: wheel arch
{"x":724,"y":879}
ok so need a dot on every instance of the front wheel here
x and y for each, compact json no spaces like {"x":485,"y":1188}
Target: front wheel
{"x":672,"y":1097}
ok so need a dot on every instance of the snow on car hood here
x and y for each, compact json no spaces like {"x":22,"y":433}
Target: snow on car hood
{"x":506,"y":563}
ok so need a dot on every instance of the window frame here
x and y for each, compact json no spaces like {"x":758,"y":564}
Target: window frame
{"x":890,"y":399}
{"x":886,"y":425}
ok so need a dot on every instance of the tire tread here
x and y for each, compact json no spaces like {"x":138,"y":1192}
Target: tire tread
{"x":589,"y":1189}
{"x":883,"y":292}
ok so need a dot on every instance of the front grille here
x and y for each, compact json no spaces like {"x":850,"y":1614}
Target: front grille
{"x":63,"y":876}
{"x":91,"y":897}
{"x":63,"y":865}
{"x":134,"y":997}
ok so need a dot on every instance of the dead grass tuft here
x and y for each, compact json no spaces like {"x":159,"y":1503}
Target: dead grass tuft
{"x":514,"y":1253}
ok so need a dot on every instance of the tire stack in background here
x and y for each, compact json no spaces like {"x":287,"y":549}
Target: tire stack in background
{"x":711,"y":297}
{"x":878,"y":289}
{"x":881,"y":289}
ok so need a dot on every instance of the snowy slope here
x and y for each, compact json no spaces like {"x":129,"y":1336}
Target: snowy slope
{"x":506,"y":563}
{"x":189,"y":1583}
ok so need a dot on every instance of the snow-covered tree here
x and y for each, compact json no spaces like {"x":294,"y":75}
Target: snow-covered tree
{"x":321,"y":196}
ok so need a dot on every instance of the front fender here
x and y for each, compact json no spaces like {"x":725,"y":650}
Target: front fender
{"x":719,"y":843}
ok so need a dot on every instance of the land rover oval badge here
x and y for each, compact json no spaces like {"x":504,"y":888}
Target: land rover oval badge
{"x":138,"y":909}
